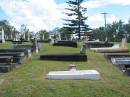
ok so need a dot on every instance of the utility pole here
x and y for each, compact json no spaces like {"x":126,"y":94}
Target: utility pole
{"x":106,"y":38}
{"x":79,"y":20}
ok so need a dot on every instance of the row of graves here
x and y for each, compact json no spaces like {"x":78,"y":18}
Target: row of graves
{"x":118,"y":54}
{"x":72,"y":73}
{"x":17,"y":54}
{"x":81,"y":56}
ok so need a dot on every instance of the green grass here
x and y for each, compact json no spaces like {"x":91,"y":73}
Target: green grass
{"x":28,"y":80}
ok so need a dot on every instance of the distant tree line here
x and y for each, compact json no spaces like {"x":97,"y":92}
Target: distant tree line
{"x":10,"y":31}
{"x":115,"y":31}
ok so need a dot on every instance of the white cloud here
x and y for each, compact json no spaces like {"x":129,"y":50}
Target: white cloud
{"x":100,"y":3}
{"x":93,"y":4}
{"x":97,"y":20}
{"x":46,"y":14}
{"x":119,"y":2}
{"x":40,"y":14}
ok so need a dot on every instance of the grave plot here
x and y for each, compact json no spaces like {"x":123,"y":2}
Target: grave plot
{"x":19,"y":41}
{"x":16,"y":42}
{"x":122,"y":63}
{"x":117,"y":48}
{"x":96,"y":44}
{"x":27,"y":53}
{"x":18,"y":57}
{"x":44,"y":41}
{"x":73,"y":74}
{"x":34,"y":47}
{"x":115,"y":55}
{"x":65,"y":43}
{"x":6,"y":64}
{"x":28,"y":47}
{"x":66,"y":57}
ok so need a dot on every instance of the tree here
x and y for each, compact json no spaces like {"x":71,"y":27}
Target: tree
{"x":98,"y":33}
{"x":116,"y":31}
{"x":43,"y":35}
{"x":127,"y":29}
{"x":76,"y":22}
{"x":9,"y":30}
{"x":65,"y":33}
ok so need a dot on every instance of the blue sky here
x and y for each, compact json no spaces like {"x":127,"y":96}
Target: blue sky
{"x":48,"y":14}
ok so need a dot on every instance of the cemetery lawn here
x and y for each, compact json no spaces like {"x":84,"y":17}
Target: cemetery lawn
{"x":29,"y":79}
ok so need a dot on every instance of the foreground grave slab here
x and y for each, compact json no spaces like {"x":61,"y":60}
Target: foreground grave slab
{"x":74,"y":74}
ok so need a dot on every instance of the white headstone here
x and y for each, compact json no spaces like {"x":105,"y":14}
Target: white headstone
{"x":2,"y":35}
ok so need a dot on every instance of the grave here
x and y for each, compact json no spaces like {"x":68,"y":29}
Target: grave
{"x":6,"y":64}
{"x":123,"y":63}
{"x":97,"y":44}
{"x":117,"y":48}
{"x":44,"y":41}
{"x":16,"y":42}
{"x":6,"y":59}
{"x":26,"y":52}
{"x":74,"y":75}
{"x":65,"y":43}
{"x":116,"y":55}
{"x":120,"y":61}
{"x":35,"y":45}
{"x":18,"y":57}
{"x":66,"y":57}
{"x":27,"y":47}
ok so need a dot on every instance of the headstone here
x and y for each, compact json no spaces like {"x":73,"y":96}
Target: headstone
{"x":124,"y":43}
{"x":35,"y":45}
{"x":83,"y":50}
{"x":29,"y":53}
{"x":2,"y":35}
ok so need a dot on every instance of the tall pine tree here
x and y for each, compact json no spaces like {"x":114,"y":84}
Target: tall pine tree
{"x":76,"y":21}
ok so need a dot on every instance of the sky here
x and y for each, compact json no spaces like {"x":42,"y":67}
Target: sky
{"x":48,"y":14}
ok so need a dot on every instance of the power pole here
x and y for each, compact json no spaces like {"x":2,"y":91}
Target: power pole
{"x":106,"y":38}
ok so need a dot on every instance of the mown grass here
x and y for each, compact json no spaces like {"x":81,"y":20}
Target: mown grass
{"x":29,"y":79}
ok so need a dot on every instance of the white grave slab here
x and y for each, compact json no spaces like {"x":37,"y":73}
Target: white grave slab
{"x":74,"y":74}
